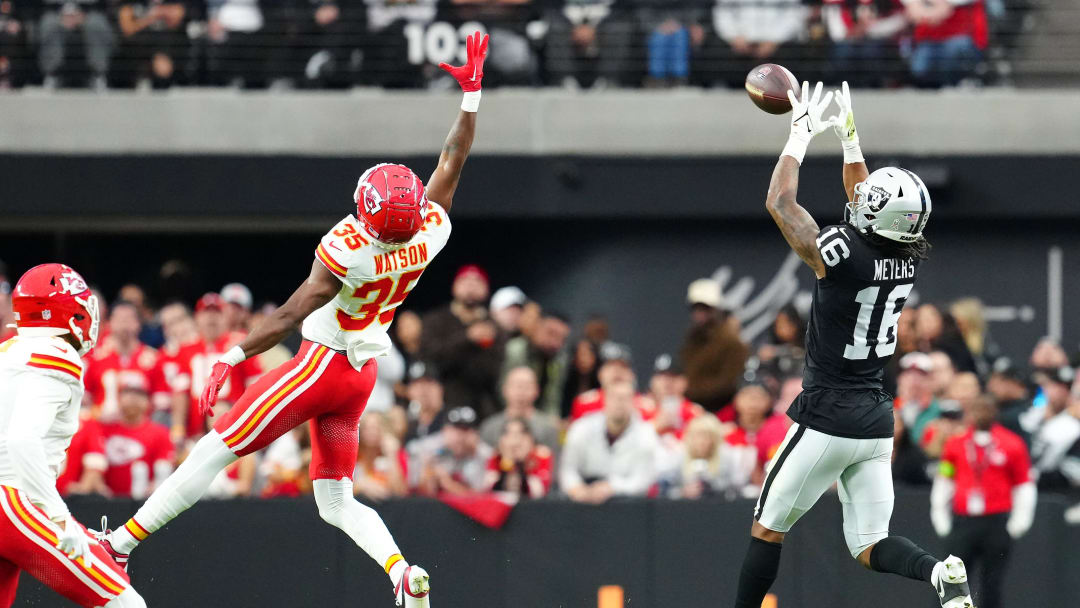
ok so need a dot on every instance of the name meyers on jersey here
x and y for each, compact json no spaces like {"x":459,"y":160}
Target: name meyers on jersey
{"x":406,"y":256}
{"x":890,"y":269}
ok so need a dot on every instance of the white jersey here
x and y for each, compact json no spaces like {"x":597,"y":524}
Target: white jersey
{"x":375,"y":281}
{"x":42,"y":389}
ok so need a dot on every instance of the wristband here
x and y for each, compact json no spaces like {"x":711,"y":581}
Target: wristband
{"x":852,"y":153}
{"x":470,"y":102}
{"x":795,"y":148}
{"x":234,"y":357}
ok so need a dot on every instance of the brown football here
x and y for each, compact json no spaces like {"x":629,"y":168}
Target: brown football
{"x":768,"y":84}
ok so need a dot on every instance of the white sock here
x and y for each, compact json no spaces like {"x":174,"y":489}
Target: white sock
{"x":128,"y":599}
{"x":179,"y":491}
{"x":338,"y":508}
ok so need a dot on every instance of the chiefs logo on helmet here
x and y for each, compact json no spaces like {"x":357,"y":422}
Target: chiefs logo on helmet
{"x":390,"y":203}
{"x":53,"y":300}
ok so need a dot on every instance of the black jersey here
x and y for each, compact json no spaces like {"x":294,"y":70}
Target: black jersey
{"x":852,"y":335}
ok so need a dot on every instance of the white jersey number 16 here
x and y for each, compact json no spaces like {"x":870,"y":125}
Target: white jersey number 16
{"x":886,"y":339}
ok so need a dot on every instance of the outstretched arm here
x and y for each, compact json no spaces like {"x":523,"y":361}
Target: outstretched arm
{"x":799,"y":228}
{"x":319,"y":288}
{"x":444,"y":181}
{"x":843,"y":123}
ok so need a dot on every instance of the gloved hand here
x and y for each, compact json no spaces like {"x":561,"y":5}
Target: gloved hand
{"x":844,"y":126}
{"x":74,"y":542}
{"x":806,"y":120}
{"x":470,"y":74}
{"x":218,"y":375}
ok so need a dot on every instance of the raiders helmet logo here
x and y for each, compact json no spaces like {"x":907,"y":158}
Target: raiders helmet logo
{"x":877,"y":197}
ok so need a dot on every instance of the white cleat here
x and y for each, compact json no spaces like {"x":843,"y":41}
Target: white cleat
{"x":951,"y":583}
{"x":413,"y":588}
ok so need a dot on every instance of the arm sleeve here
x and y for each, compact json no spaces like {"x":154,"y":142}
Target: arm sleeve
{"x":38,"y":401}
{"x":642,"y":472}
{"x":569,"y":475}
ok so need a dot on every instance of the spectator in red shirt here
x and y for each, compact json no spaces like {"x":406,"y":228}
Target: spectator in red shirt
{"x":120,"y":356}
{"x":984,"y":497}
{"x":753,"y":412}
{"x":949,"y":40}
{"x":865,"y":35}
{"x":614,"y":369}
{"x":520,"y":466}
{"x":85,"y":464}
{"x":139,"y":451}
{"x":195,"y":361}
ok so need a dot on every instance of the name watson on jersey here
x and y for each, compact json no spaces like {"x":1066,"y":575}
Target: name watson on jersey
{"x":391,"y":261}
{"x":891,"y":269}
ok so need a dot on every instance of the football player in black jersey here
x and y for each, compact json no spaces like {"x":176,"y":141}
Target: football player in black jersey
{"x":843,"y":426}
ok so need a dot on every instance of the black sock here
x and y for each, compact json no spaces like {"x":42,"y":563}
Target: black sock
{"x":899,"y":555}
{"x":758,"y":572}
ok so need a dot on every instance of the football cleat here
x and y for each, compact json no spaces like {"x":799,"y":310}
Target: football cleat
{"x":951,"y":583}
{"x":104,"y":538}
{"x":413,"y":588}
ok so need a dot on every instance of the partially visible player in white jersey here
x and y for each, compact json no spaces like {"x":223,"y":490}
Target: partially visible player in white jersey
{"x":364,"y":268}
{"x":41,"y":390}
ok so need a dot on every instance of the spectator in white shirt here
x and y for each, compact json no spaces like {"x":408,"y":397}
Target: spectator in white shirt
{"x":609,"y":453}
{"x":751,"y":32}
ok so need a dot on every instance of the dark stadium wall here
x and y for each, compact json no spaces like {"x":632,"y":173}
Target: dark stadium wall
{"x":278,"y":553}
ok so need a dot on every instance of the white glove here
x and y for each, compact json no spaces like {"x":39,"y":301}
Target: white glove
{"x":844,"y":125}
{"x":1024,"y":499}
{"x":806,"y":121}
{"x":75,"y":543}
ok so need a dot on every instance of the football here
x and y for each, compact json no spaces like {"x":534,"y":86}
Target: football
{"x":768,"y":84}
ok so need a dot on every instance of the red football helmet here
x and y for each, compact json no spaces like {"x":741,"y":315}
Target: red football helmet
{"x":52,"y":300}
{"x":390,"y":203}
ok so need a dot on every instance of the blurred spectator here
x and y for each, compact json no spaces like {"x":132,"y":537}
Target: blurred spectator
{"x":943,"y":372}
{"x":1048,"y":354}
{"x":507,"y":306}
{"x":426,"y":411}
{"x":751,"y":448}
{"x":713,"y":355}
{"x":281,"y":470}
{"x":13,"y":50}
{"x":195,"y":361}
{"x":971,"y":323}
{"x":907,"y":341}
{"x":704,"y":466}
{"x":456,"y":460}
{"x":154,"y":45}
{"x":395,"y":52}
{"x":462,"y":343}
{"x":864,"y":33}
{"x":615,"y":367}
{"x":520,"y":466}
{"x":236,"y":43}
{"x":60,"y":21}
{"x":520,"y":391}
{"x":776,"y":426}
{"x":379,"y":470}
{"x":406,"y":333}
{"x":915,"y":401}
{"x":786,"y":338}
{"x":84,"y":463}
{"x":609,"y":453}
{"x":965,"y":388}
{"x":587,"y":37}
{"x":582,"y":375}
{"x":1057,"y":429}
{"x":1008,"y":385}
{"x":7,"y":318}
{"x":949,"y":40}
{"x":543,"y":351}
{"x":121,"y":359}
{"x":938,"y":331}
{"x":278,"y":354}
{"x":983,"y":497}
{"x":327,"y":36}
{"x":747,"y":34}
{"x":238,"y":304}
{"x":511,"y":56}
{"x":673,"y":31}
{"x":667,"y":407}
{"x":390,"y":373}
{"x":178,"y":327}
{"x":139,"y":451}
{"x":151,"y":333}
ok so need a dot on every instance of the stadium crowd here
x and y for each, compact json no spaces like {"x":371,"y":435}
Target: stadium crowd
{"x":493,"y":393}
{"x":572,"y":43}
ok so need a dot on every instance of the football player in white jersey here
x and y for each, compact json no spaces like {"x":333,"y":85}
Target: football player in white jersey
{"x":41,"y":377}
{"x":364,"y":269}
